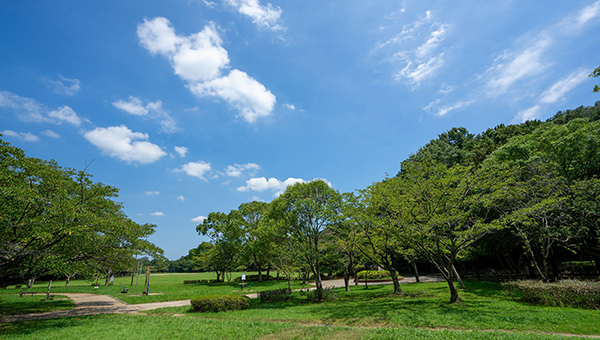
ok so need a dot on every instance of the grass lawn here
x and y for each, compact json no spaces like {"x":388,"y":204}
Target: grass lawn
{"x":374,"y":313}
{"x":14,"y":304}
{"x":170,"y":284}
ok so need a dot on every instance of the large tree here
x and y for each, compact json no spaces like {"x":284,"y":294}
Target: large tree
{"x":309,"y":209}
{"x":56,"y":220}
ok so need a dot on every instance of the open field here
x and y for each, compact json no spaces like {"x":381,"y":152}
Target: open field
{"x":373,"y":313}
{"x":170,"y":285}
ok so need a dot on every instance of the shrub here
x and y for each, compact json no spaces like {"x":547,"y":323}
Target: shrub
{"x":185,"y":282}
{"x":584,"y":294}
{"x":276,"y":295}
{"x":220,"y":303}
{"x":318,"y":295}
{"x":254,"y":278}
{"x":579,"y":267}
{"x":376,"y":275}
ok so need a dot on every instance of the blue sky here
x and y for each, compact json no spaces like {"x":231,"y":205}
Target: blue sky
{"x":192,"y":106}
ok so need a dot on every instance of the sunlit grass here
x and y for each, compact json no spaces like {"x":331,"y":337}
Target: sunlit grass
{"x":14,"y":304}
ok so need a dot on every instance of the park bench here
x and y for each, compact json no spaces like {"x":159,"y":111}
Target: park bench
{"x":23,"y":292}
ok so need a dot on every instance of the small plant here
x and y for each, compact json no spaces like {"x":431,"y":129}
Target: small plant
{"x":584,"y":294}
{"x":220,"y":303}
{"x":276,"y":295}
{"x":319,"y":295}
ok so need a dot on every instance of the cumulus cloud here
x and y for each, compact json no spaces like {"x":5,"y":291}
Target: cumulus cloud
{"x":199,"y":219}
{"x":26,"y":136}
{"x":266,"y":17}
{"x":51,"y":134}
{"x":196,"y":169}
{"x":152,"y":193}
{"x":134,"y":106}
{"x":181,"y":198}
{"x":238,"y":169}
{"x":122,"y":143}
{"x":199,"y":59}
{"x":158,"y":213}
{"x":241,"y":92}
{"x":65,"y":86}
{"x":272,"y":184}
{"x":65,"y":113}
{"x":181,"y":150}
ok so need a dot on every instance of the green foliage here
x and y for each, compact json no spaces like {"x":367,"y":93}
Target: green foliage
{"x":276,"y":295}
{"x":375,"y":275}
{"x":583,"y":294}
{"x":220,"y":303}
{"x":56,"y":220}
{"x":187,"y":282}
{"x":596,"y":73}
{"x":254,"y":277}
{"x":579,"y":267}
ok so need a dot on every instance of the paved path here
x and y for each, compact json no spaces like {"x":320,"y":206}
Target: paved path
{"x":91,"y":304}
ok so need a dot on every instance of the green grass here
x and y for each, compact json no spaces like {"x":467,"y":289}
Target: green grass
{"x":170,"y":284}
{"x":373,"y":313}
{"x":15,"y":304}
{"x":169,"y":327}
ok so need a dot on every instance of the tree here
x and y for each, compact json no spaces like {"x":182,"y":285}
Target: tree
{"x":596,"y":73}
{"x":225,"y":233}
{"x":56,"y":220}
{"x":309,"y":209}
{"x":257,"y":234}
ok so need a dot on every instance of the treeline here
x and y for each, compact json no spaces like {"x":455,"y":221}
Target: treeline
{"x":57,"y":221}
{"x":526,"y":197}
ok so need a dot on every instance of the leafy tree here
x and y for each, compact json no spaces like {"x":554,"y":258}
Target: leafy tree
{"x":56,"y":220}
{"x":225,"y":233}
{"x":596,"y":73}
{"x":258,"y":234}
{"x":309,"y":209}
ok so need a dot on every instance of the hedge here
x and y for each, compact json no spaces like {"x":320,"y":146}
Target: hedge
{"x":375,"y":275}
{"x":584,"y":294}
{"x":254,"y":278}
{"x":276,"y":295}
{"x":185,"y":282}
{"x":220,"y":303}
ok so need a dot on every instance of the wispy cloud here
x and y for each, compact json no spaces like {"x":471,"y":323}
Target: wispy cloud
{"x":266,"y":17}
{"x":25,"y":136}
{"x":154,"y":110}
{"x":31,"y":111}
{"x":158,"y":213}
{"x":65,"y":86}
{"x":152,"y":193}
{"x":238,"y":169}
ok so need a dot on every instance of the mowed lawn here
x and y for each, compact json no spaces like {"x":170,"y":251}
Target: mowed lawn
{"x":167,"y":286}
{"x":373,"y":313}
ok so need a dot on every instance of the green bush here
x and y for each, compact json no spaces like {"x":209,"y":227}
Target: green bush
{"x":220,"y":303}
{"x":376,"y":275}
{"x":584,"y":294}
{"x":579,"y":267}
{"x":276,"y":295}
{"x":186,"y":282}
{"x":254,"y":278}
{"x":318,"y":295}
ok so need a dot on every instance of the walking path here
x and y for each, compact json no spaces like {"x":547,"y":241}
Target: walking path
{"x":91,"y":304}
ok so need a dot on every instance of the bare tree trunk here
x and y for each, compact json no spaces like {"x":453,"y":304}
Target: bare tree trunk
{"x":415,"y":270}
{"x":346,"y":280}
{"x":462,"y":285}
{"x":397,"y":289}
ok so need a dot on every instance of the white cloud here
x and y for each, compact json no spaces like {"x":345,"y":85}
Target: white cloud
{"x":151,"y":193}
{"x":195,"y":169}
{"x":242,"y":92}
{"x":443,"y":110}
{"x":181,"y":150}
{"x":158,"y":213}
{"x":27,"y":109}
{"x":209,"y":4}
{"x":574,"y":23}
{"x":65,"y":86}
{"x":237,"y":169}
{"x":134,"y":106}
{"x":199,"y":59}
{"x":290,"y":106}
{"x":529,"y":114}
{"x":181,"y":198}
{"x":267,"y":17}
{"x":561,"y":87}
{"x":436,"y":37}
{"x":422,"y":71}
{"x":258,"y":199}
{"x":192,"y":109}
{"x":198,"y":219}
{"x":26,"y":136}
{"x":120,"y":142}
{"x":272,"y":184}
{"x":51,"y":134}
{"x":65,"y":113}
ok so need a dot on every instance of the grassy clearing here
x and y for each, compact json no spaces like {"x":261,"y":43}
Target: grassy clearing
{"x":169,"y":327}
{"x":485,"y":307}
{"x":170,"y":284}
{"x":15,"y":304}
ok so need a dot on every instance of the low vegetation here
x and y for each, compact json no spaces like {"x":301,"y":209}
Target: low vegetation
{"x":584,"y":294}
{"x":220,"y":303}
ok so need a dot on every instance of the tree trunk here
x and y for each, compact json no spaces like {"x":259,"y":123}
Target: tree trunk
{"x":415,"y":270}
{"x":346,"y":280}
{"x":455,"y":272}
{"x":454,"y":298}
{"x":107,"y":278}
{"x":218,"y":275}
{"x":68,"y":279}
{"x":397,"y":290}
{"x":259,"y":267}
{"x":289,"y":278}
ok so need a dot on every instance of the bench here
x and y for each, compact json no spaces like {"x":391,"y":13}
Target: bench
{"x":21,"y":293}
